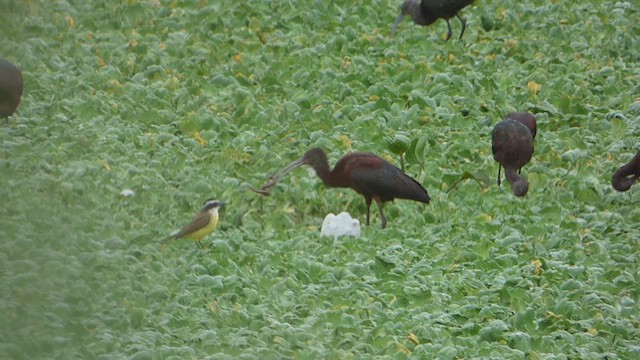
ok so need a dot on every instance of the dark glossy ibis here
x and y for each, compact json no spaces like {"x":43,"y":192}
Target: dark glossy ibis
{"x":627,"y":174}
{"x":367,"y":174}
{"x":528,"y":120}
{"x":428,"y":11}
{"x":512,"y":146}
{"x":10,"y":88}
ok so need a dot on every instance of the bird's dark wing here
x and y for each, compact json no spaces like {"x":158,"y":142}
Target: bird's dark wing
{"x":527,"y":119}
{"x":512,"y":144}
{"x":386,"y":183}
{"x":201,"y":220}
{"x":443,"y":8}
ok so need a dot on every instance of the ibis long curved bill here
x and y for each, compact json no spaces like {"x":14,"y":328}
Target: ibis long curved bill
{"x":273,"y":180}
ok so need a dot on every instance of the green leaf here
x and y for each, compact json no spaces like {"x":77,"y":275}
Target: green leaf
{"x":399,"y":144}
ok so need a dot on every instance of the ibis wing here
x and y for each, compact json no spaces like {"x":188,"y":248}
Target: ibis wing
{"x":386,"y":183}
{"x":443,"y":8}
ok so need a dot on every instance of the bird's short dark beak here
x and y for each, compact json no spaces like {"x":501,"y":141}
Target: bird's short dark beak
{"x":395,"y":24}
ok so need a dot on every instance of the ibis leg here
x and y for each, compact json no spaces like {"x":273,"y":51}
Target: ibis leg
{"x":464,"y":25}
{"x":499,"y":167}
{"x":368,"y":201}
{"x":448,"y":31}
{"x":382,"y":218}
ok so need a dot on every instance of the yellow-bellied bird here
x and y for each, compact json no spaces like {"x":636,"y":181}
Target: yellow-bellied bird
{"x":201,"y":225}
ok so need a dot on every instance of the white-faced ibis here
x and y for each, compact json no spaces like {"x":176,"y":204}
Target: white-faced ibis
{"x":627,"y":174}
{"x":428,"y":11}
{"x":512,"y":146}
{"x":10,"y":88}
{"x":202,"y":224}
{"x":366,"y":173}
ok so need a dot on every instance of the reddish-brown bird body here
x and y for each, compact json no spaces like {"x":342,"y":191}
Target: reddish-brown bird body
{"x":428,"y":11}
{"x":627,"y":174}
{"x":367,"y":174}
{"x":512,"y":146}
{"x":11,"y":87}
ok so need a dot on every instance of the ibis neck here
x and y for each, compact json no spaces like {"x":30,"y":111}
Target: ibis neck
{"x":417,"y":15}
{"x":324,"y":173}
{"x":512,"y":174}
{"x":519,"y":186}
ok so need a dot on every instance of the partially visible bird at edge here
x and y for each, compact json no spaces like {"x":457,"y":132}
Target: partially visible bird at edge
{"x":426,"y":12}
{"x":367,"y":174}
{"x":11,"y":87}
{"x":627,"y":174}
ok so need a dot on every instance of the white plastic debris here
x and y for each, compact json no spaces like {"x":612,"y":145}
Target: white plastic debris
{"x":127,"y":192}
{"x":341,"y":225}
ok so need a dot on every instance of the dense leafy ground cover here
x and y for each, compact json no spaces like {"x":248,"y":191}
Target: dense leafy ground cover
{"x":184,"y":100}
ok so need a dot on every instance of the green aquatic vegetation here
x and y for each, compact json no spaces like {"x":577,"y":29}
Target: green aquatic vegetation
{"x":181,"y":101}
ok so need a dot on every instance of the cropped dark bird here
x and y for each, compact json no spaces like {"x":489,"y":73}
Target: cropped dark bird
{"x":367,"y":174}
{"x":627,"y":174}
{"x":428,"y":11}
{"x":11,"y":87}
{"x":527,"y":119}
{"x":512,"y":146}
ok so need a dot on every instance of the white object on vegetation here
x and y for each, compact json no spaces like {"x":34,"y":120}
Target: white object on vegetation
{"x":127,"y":192}
{"x":341,"y":225}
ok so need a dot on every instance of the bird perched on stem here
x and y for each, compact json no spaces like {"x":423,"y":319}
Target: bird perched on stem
{"x":367,"y":174}
{"x":11,"y":87}
{"x":202,"y":224}
{"x":512,"y":146}
{"x":428,"y":11}
{"x":627,"y":174}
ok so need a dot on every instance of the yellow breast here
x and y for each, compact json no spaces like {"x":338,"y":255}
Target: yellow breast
{"x":207,"y":229}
